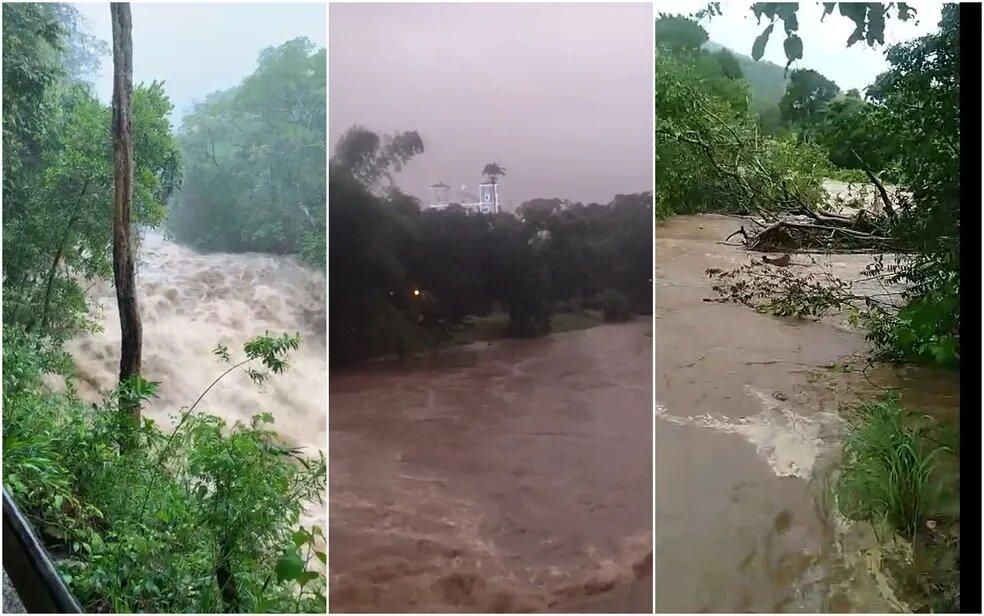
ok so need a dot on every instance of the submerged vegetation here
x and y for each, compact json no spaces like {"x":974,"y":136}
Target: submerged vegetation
{"x":727,"y":144}
{"x":203,"y":516}
{"x":409,"y":277}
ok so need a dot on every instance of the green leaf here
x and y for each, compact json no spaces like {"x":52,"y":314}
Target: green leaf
{"x":758,"y":48}
{"x":793,"y":46}
{"x":300,"y":537}
{"x":289,"y":566}
{"x":307,"y":576}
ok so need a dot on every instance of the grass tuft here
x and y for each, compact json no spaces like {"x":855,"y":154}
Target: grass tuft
{"x":886,"y":469}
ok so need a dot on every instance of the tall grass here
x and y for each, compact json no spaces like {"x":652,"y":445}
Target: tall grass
{"x":886,"y":468}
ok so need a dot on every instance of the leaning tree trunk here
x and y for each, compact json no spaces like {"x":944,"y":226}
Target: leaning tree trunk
{"x":123,"y":270}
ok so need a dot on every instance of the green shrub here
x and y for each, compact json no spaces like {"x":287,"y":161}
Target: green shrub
{"x":887,"y":463}
{"x":201,"y":518}
{"x":614,"y":306}
{"x":925,"y":329}
{"x":851,"y":176}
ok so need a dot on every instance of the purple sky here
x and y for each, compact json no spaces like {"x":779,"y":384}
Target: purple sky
{"x":558,"y":94}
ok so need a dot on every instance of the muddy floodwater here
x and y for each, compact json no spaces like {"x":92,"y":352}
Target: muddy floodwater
{"x":746,"y":411}
{"x":515,"y":476}
{"x":189,"y":303}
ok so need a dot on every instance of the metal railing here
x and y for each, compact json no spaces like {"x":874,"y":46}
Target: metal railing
{"x":29,"y":566}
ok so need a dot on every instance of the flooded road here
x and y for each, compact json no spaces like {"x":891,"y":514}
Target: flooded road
{"x":746,"y":409}
{"x":515,"y":476}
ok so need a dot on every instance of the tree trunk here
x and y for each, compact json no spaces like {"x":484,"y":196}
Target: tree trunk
{"x":49,"y":287}
{"x":889,"y":208}
{"x":39,"y":319}
{"x":123,"y":270}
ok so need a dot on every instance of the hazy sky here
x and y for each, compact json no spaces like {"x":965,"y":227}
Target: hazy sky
{"x":559,"y":95}
{"x":199,"y":48}
{"x":824,"y":44}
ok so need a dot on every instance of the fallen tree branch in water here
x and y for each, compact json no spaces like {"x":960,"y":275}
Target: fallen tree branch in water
{"x":784,"y":235}
{"x":775,"y":290}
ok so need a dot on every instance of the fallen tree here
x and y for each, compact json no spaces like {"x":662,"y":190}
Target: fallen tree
{"x":826,"y":233}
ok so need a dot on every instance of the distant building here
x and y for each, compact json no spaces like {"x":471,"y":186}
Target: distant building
{"x":486,"y":202}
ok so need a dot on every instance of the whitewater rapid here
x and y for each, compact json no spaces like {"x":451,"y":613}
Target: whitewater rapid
{"x":189,"y":303}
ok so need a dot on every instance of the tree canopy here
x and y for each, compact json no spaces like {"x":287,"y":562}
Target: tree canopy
{"x":255,"y":158}
{"x":58,"y":174}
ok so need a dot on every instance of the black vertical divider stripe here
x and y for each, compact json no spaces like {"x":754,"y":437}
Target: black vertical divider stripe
{"x":970,"y":307}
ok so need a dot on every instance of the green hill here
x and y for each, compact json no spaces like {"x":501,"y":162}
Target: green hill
{"x":767,"y":81}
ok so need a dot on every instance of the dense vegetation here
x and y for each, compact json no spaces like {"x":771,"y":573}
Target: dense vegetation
{"x":404,"y":276}
{"x":201,"y":517}
{"x":254,"y":160}
{"x":718,"y":149}
{"x":57,"y":175}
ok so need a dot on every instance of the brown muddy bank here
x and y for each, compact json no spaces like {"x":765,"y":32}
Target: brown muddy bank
{"x":747,"y":413}
{"x":515,"y":476}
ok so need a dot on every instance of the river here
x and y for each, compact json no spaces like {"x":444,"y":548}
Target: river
{"x":512,"y":476}
{"x":746,"y":414}
{"x":189,"y":303}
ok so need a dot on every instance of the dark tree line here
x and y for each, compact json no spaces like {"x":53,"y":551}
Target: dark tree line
{"x":402,"y":273}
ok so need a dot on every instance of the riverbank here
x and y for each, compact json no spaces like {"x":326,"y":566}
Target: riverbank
{"x":897,"y":479}
{"x":749,"y":420}
{"x":494,"y":326}
{"x":481,"y":333}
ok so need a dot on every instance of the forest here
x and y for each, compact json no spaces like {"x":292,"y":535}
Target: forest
{"x":407,"y":278}
{"x":727,"y":144}
{"x":254,"y":161}
{"x":199,"y":514}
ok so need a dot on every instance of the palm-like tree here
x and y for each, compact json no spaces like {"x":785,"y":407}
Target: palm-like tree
{"x":493,"y":171}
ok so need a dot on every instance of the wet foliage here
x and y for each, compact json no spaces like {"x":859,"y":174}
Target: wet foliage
{"x":254,"y":160}
{"x":711,"y":154}
{"x":200,"y":518}
{"x":58,"y":174}
{"x":898,"y":474}
{"x":887,"y":468}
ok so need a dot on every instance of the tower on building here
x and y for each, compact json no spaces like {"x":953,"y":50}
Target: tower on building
{"x":488,"y":198}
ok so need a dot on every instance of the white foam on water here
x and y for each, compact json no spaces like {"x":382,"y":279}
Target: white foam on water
{"x":189,"y":303}
{"x":788,"y":442}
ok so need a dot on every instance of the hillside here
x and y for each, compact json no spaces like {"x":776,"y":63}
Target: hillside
{"x":767,"y":81}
